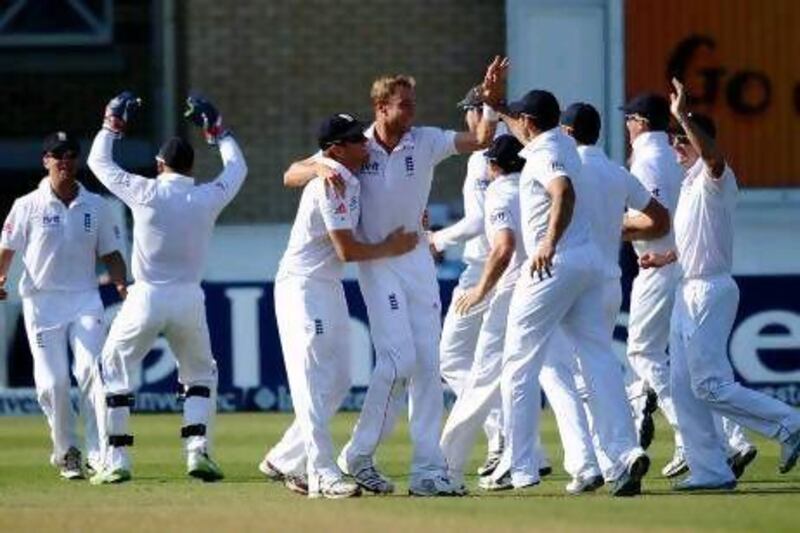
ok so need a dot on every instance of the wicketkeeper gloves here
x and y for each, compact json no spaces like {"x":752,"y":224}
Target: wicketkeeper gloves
{"x":119,"y":110}
{"x":202,"y":113}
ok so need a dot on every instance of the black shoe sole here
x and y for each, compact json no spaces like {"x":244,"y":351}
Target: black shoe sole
{"x":633,"y":486}
{"x":739,"y":463}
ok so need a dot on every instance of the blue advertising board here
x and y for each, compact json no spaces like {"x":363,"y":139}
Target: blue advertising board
{"x":764,"y":347}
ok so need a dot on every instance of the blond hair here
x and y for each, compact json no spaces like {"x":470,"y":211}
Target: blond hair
{"x":384,"y":87}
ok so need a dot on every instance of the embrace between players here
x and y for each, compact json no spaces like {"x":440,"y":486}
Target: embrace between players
{"x":536,"y":306}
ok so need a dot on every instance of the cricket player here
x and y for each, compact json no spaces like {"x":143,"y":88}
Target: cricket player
{"x":60,"y":229}
{"x":561,"y":285}
{"x":311,"y":309}
{"x":173,"y":218}
{"x":401,"y":293}
{"x":654,"y":165}
{"x":705,"y":308}
{"x":460,"y":330}
{"x":610,"y":189}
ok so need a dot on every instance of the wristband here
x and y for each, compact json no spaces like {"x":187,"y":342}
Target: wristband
{"x":490,"y":114}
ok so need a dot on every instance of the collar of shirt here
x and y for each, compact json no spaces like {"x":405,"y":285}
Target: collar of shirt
{"x":539,"y":141}
{"x":50,"y":195}
{"x":591,"y":151}
{"x":179,"y":179}
{"x":406,"y":141}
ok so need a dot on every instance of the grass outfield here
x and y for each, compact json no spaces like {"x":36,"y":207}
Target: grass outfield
{"x":161,"y":498}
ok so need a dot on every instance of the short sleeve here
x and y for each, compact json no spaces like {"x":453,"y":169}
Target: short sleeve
{"x":650,"y":178}
{"x":499,"y":211}
{"x":334,"y":209}
{"x":550,"y":167}
{"x":637,"y":196}
{"x":442,"y":143}
{"x":109,"y":232}
{"x":13,"y":237}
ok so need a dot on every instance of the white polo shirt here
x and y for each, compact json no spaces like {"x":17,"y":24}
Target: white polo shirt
{"x":503,"y":213}
{"x":550,"y":155}
{"x":471,"y":227}
{"x":172,"y":217}
{"x":610,"y":189}
{"x":704,"y":222}
{"x":310,"y":252}
{"x":59,"y":243}
{"x":395,"y":186}
{"x":654,"y":164}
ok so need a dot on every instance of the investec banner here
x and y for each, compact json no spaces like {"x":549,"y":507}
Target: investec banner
{"x":764,"y":348}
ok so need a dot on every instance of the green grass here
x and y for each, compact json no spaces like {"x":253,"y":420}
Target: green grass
{"x":161,"y":498}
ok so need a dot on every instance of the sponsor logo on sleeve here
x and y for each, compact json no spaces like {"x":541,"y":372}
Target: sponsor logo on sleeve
{"x":87,"y":222}
{"x":557,"y":166}
{"x":409,"y":166}
{"x":394,"y":304}
{"x":498,"y":217}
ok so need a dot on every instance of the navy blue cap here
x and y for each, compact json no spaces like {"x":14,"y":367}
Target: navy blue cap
{"x":504,"y":152}
{"x":585,"y":122}
{"x":539,"y":104}
{"x":60,"y":142}
{"x":653,"y":107}
{"x":177,"y":154}
{"x":341,"y":127}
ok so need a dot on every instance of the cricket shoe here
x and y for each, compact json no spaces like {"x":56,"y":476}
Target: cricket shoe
{"x":270,"y":471}
{"x":676,"y":466}
{"x":581,"y":484}
{"x":491,"y":462}
{"x":297,"y":483}
{"x":687,"y":485}
{"x":199,"y":465}
{"x":111,"y":476}
{"x":438,"y":485}
{"x":630,"y":482}
{"x":70,"y":467}
{"x":366,"y":475}
{"x":790,"y":451}
{"x":336,"y":489}
{"x":742,"y":459}
{"x":489,"y":483}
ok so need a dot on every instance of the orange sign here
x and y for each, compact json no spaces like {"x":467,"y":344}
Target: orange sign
{"x":739,"y":60}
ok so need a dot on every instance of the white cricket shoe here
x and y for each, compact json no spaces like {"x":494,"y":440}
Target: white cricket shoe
{"x":491,"y":462}
{"x":71,"y":465}
{"x":676,"y":466}
{"x":437,"y":485}
{"x":581,"y":484}
{"x":366,"y":475}
{"x":270,"y":471}
{"x":336,"y":489}
{"x":742,"y":459}
{"x":199,"y":465}
{"x":790,"y":451}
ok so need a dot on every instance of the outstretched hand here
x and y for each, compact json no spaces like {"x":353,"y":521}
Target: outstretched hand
{"x":678,"y":105}
{"x":494,"y":82}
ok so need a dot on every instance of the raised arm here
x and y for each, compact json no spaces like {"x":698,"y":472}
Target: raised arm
{"x":700,"y":140}
{"x":467,"y":141}
{"x":301,"y":172}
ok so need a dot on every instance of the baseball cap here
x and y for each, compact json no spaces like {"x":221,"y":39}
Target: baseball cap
{"x":504,"y":151}
{"x":472,"y":99}
{"x":340,"y":127}
{"x":177,"y":154}
{"x":59,"y":142}
{"x":584,"y":120}
{"x":542,"y":105}
{"x":652,"y":106}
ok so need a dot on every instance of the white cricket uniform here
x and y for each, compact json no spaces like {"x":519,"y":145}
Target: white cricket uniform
{"x":460,"y":332}
{"x":705,"y":309}
{"x":313,"y":322}
{"x":402,"y":298}
{"x":173,"y":219}
{"x":61,"y":305}
{"x":653,"y":293}
{"x":569,"y":298}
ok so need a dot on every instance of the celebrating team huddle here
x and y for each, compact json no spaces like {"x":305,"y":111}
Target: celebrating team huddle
{"x":534,"y":310}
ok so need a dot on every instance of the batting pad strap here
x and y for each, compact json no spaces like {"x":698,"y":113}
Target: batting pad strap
{"x":120,"y":440}
{"x":120,"y":400}
{"x":198,"y":390}
{"x":194,"y":430}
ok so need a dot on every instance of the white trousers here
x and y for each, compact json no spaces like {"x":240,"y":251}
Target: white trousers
{"x":652,"y":299}
{"x":458,"y":351}
{"x":571,"y":298}
{"x":179,"y":312}
{"x":49,"y":341}
{"x":314,"y":327}
{"x":405,"y":322}
{"x":703,"y":380}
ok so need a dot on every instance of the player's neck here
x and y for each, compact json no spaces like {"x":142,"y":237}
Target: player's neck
{"x":65,"y":190}
{"x":387,"y":136}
